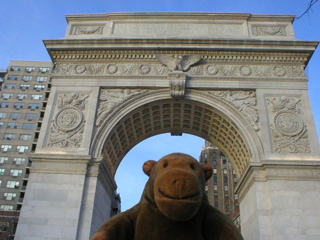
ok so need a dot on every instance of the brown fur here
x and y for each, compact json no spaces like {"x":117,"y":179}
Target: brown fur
{"x":173,"y":206}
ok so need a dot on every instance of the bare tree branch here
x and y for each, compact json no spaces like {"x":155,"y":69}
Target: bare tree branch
{"x":311,"y":3}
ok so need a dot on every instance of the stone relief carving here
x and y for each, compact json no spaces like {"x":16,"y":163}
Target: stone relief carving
{"x":244,"y":101}
{"x":177,"y":62}
{"x":212,"y":70}
{"x":87,"y":30}
{"x":111,"y":98}
{"x":289,"y":132}
{"x":68,"y":124}
{"x":269,"y":30}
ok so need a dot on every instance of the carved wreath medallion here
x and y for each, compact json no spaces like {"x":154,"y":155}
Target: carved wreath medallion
{"x":68,"y":124}
{"x":289,"y":132}
{"x":68,"y":119}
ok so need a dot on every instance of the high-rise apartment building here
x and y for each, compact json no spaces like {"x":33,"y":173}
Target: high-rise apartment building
{"x":24,"y":92}
{"x":220,"y":188}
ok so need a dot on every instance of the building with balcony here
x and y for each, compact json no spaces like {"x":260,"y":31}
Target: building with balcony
{"x":23,"y":98}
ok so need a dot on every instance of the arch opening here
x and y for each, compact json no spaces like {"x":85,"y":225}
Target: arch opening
{"x":176,"y":116}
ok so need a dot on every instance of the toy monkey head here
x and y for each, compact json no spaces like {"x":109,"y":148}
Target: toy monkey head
{"x":177,"y":184}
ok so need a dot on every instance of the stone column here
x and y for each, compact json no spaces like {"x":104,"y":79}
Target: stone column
{"x":53,"y":201}
{"x":280,"y":200}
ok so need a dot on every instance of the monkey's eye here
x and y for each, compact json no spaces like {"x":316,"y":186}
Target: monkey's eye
{"x":192,"y":166}
{"x":165,"y":165}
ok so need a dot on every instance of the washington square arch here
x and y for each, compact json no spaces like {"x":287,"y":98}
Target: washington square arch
{"x":236,"y":80}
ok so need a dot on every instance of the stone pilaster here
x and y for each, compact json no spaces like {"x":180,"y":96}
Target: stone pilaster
{"x":279,"y":200}
{"x":52,"y":203}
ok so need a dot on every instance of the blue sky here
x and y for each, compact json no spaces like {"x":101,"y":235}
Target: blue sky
{"x":25,"y":23}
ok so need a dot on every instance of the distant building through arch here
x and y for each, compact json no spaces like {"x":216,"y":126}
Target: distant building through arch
{"x":236,"y":80}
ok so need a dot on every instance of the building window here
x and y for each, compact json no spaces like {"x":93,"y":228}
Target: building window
{"x":216,"y":204}
{"x":215,"y":179}
{"x":24,"y":87}
{"x":4,"y":227}
{"x":28,"y":126}
{"x":236,"y":196}
{"x":38,"y":87}
{"x":215,"y":171}
{"x":31,"y":116}
{"x":21,"y":96}
{"x":214,"y":163}
{"x":16,"y":172}
{"x":34,"y":106}
{"x":3,"y":160}
{"x":44,"y":69}
{"x":205,"y":155}
{"x":225,"y":171}
{"x":18,"y":105}
{"x":36,"y":96}
{"x":9,"y":196}
{"x":224,"y":159}
{"x":233,"y":171}
{"x":9,"y":136}
{"x":215,"y":187}
{"x":12,"y":125}
{"x":25,"y":137}
{"x":29,"y":69}
{"x":42,"y":79}
{"x":13,"y":184}
{"x":12,"y":77}
{"x":2,"y":171}
{"x":5,"y":147}
{"x":15,"y":69}
{"x":6,"y":95}
{"x":6,"y":207}
{"x":19,"y":161}
{"x":22,"y":149}
{"x":10,"y":85}
{"x":226,"y":188}
{"x":214,"y":155}
{"x":1,"y":124}
{"x":235,"y":180}
{"x":4,"y":105}
{"x":225,"y":179}
{"x":216,"y":196}
{"x":3,"y":115}
{"x":27,"y":78}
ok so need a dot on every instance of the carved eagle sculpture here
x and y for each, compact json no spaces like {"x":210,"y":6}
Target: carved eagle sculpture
{"x":177,"y":62}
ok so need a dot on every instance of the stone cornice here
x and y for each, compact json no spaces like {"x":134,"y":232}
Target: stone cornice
{"x":194,"y":44}
{"x":277,"y":170}
{"x":150,"y":56}
{"x":59,"y":164}
{"x":180,"y":15}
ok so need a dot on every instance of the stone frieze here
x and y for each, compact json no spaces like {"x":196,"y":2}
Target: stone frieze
{"x":157,"y":69}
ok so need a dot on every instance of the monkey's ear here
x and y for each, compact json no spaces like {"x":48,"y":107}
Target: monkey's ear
{"x":147,"y":166}
{"x":207,"y":169}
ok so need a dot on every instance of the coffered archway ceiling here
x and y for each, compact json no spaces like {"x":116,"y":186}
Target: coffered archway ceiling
{"x":177,"y":117}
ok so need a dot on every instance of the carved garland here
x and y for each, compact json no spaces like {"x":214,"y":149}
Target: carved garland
{"x":289,"y":132}
{"x":210,"y":70}
{"x":68,"y":124}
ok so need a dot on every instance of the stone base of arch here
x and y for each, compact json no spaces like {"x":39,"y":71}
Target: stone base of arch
{"x":69,"y":197}
{"x":280,"y":200}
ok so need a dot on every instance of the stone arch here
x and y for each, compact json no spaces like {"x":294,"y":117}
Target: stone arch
{"x":199,"y":113}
